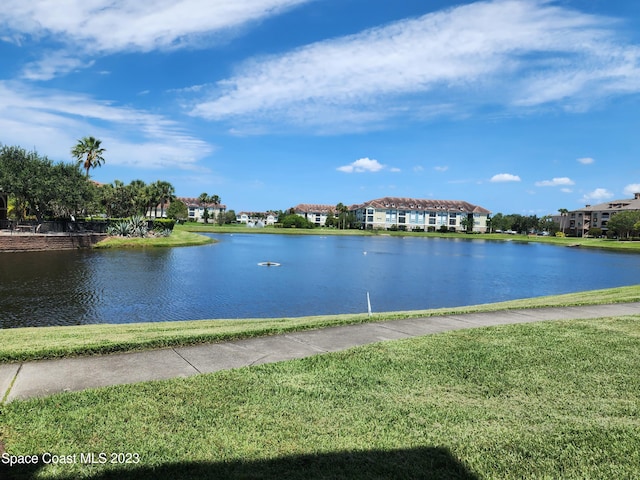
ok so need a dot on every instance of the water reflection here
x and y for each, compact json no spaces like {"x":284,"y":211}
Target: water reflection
{"x":318,"y":275}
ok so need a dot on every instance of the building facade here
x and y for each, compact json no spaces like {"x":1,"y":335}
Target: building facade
{"x":316,"y":214}
{"x":257,"y":218}
{"x":394,"y":213}
{"x":597,"y":216}
{"x":196,"y":209}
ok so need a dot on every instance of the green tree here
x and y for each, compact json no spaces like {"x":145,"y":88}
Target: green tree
{"x":563,"y":215}
{"x":343,"y":212}
{"x":177,"y":210}
{"x":546,"y":224}
{"x":623,"y":224}
{"x":139,"y":196}
{"x":166,"y":194}
{"x":294,"y":220}
{"x":467,"y":223}
{"x":204,"y":199}
{"x":88,"y":152}
{"x":40,"y":187}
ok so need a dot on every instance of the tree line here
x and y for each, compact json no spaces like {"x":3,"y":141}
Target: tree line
{"x":38,"y":187}
{"x":522,"y":224}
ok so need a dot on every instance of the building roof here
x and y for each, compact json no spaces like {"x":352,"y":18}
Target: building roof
{"x":403,"y":203}
{"x":314,"y":208}
{"x":194,"y":202}
{"x":624,"y":204}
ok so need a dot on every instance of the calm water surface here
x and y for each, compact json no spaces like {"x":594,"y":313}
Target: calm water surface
{"x":318,"y":275}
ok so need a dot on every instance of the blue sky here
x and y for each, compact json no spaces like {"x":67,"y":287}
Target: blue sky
{"x":520,"y":106}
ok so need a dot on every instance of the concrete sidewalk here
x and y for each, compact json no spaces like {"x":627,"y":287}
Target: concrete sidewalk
{"x":46,"y":377}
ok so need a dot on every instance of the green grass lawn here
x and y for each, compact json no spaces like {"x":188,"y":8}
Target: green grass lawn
{"x":544,"y":400}
{"x":178,"y":238}
{"x":19,"y":344}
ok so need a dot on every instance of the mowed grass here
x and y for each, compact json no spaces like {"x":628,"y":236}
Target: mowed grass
{"x":22,"y":344}
{"x":544,"y":400}
{"x":178,"y":238}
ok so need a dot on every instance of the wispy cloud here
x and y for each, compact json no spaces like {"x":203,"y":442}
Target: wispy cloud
{"x":505,"y":177}
{"x":441,"y":169}
{"x":362,"y":165}
{"x":586,"y":160}
{"x":555,"y":182}
{"x":52,"y":121}
{"x":114,"y":25}
{"x":88,"y":27}
{"x":517,"y":53}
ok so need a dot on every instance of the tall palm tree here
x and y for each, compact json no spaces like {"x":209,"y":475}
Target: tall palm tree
{"x":166,"y":193}
{"x":88,"y":152}
{"x":342,"y":210}
{"x":563,"y":213}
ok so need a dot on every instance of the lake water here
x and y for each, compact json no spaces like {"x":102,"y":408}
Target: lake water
{"x":318,"y":275}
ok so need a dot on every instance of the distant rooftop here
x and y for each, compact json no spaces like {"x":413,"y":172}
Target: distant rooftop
{"x":404,"y":203}
{"x":624,"y":204}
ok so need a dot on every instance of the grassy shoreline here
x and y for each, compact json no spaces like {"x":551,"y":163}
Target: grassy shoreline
{"x":178,"y":238}
{"x":34,"y":343}
{"x":598,"y":243}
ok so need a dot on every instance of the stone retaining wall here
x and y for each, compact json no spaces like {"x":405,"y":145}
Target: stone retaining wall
{"x":35,"y":242}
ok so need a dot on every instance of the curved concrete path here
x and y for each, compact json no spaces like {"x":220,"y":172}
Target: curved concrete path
{"x":46,"y":377}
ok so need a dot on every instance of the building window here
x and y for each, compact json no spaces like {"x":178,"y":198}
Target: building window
{"x":390,"y":216}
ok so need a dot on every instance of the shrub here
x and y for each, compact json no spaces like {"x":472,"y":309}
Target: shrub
{"x":160,"y":224}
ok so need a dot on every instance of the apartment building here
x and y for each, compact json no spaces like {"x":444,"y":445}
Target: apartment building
{"x":597,"y":216}
{"x":420,"y":214}
{"x":196,"y":209}
{"x":316,"y":214}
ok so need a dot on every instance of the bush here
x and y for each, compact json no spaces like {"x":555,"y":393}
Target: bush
{"x":160,"y":224}
{"x":296,"y":221}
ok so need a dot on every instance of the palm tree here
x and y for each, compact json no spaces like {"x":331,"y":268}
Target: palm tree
{"x":342,"y":210}
{"x":166,"y":193}
{"x":205,"y":200}
{"x":88,"y":153}
{"x":563,"y":213}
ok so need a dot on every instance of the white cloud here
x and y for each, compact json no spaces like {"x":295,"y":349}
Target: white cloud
{"x":85,"y":28}
{"x":52,"y":121}
{"x":566,"y":190}
{"x":52,"y":65}
{"x":586,"y":160}
{"x":395,"y":169}
{"x":555,"y":182}
{"x":599,"y":194}
{"x":632,"y":189}
{"x":116,"y":25}
{"x":516,"y":53}
{"x":362,"y":165}
{"x":505,"y":177}
{"x":441,"y":169}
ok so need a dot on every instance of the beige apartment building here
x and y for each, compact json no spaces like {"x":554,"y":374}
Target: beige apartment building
{"x":420,"y":214}
{"x":597,"y":216}
{"x":316,"y":214}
